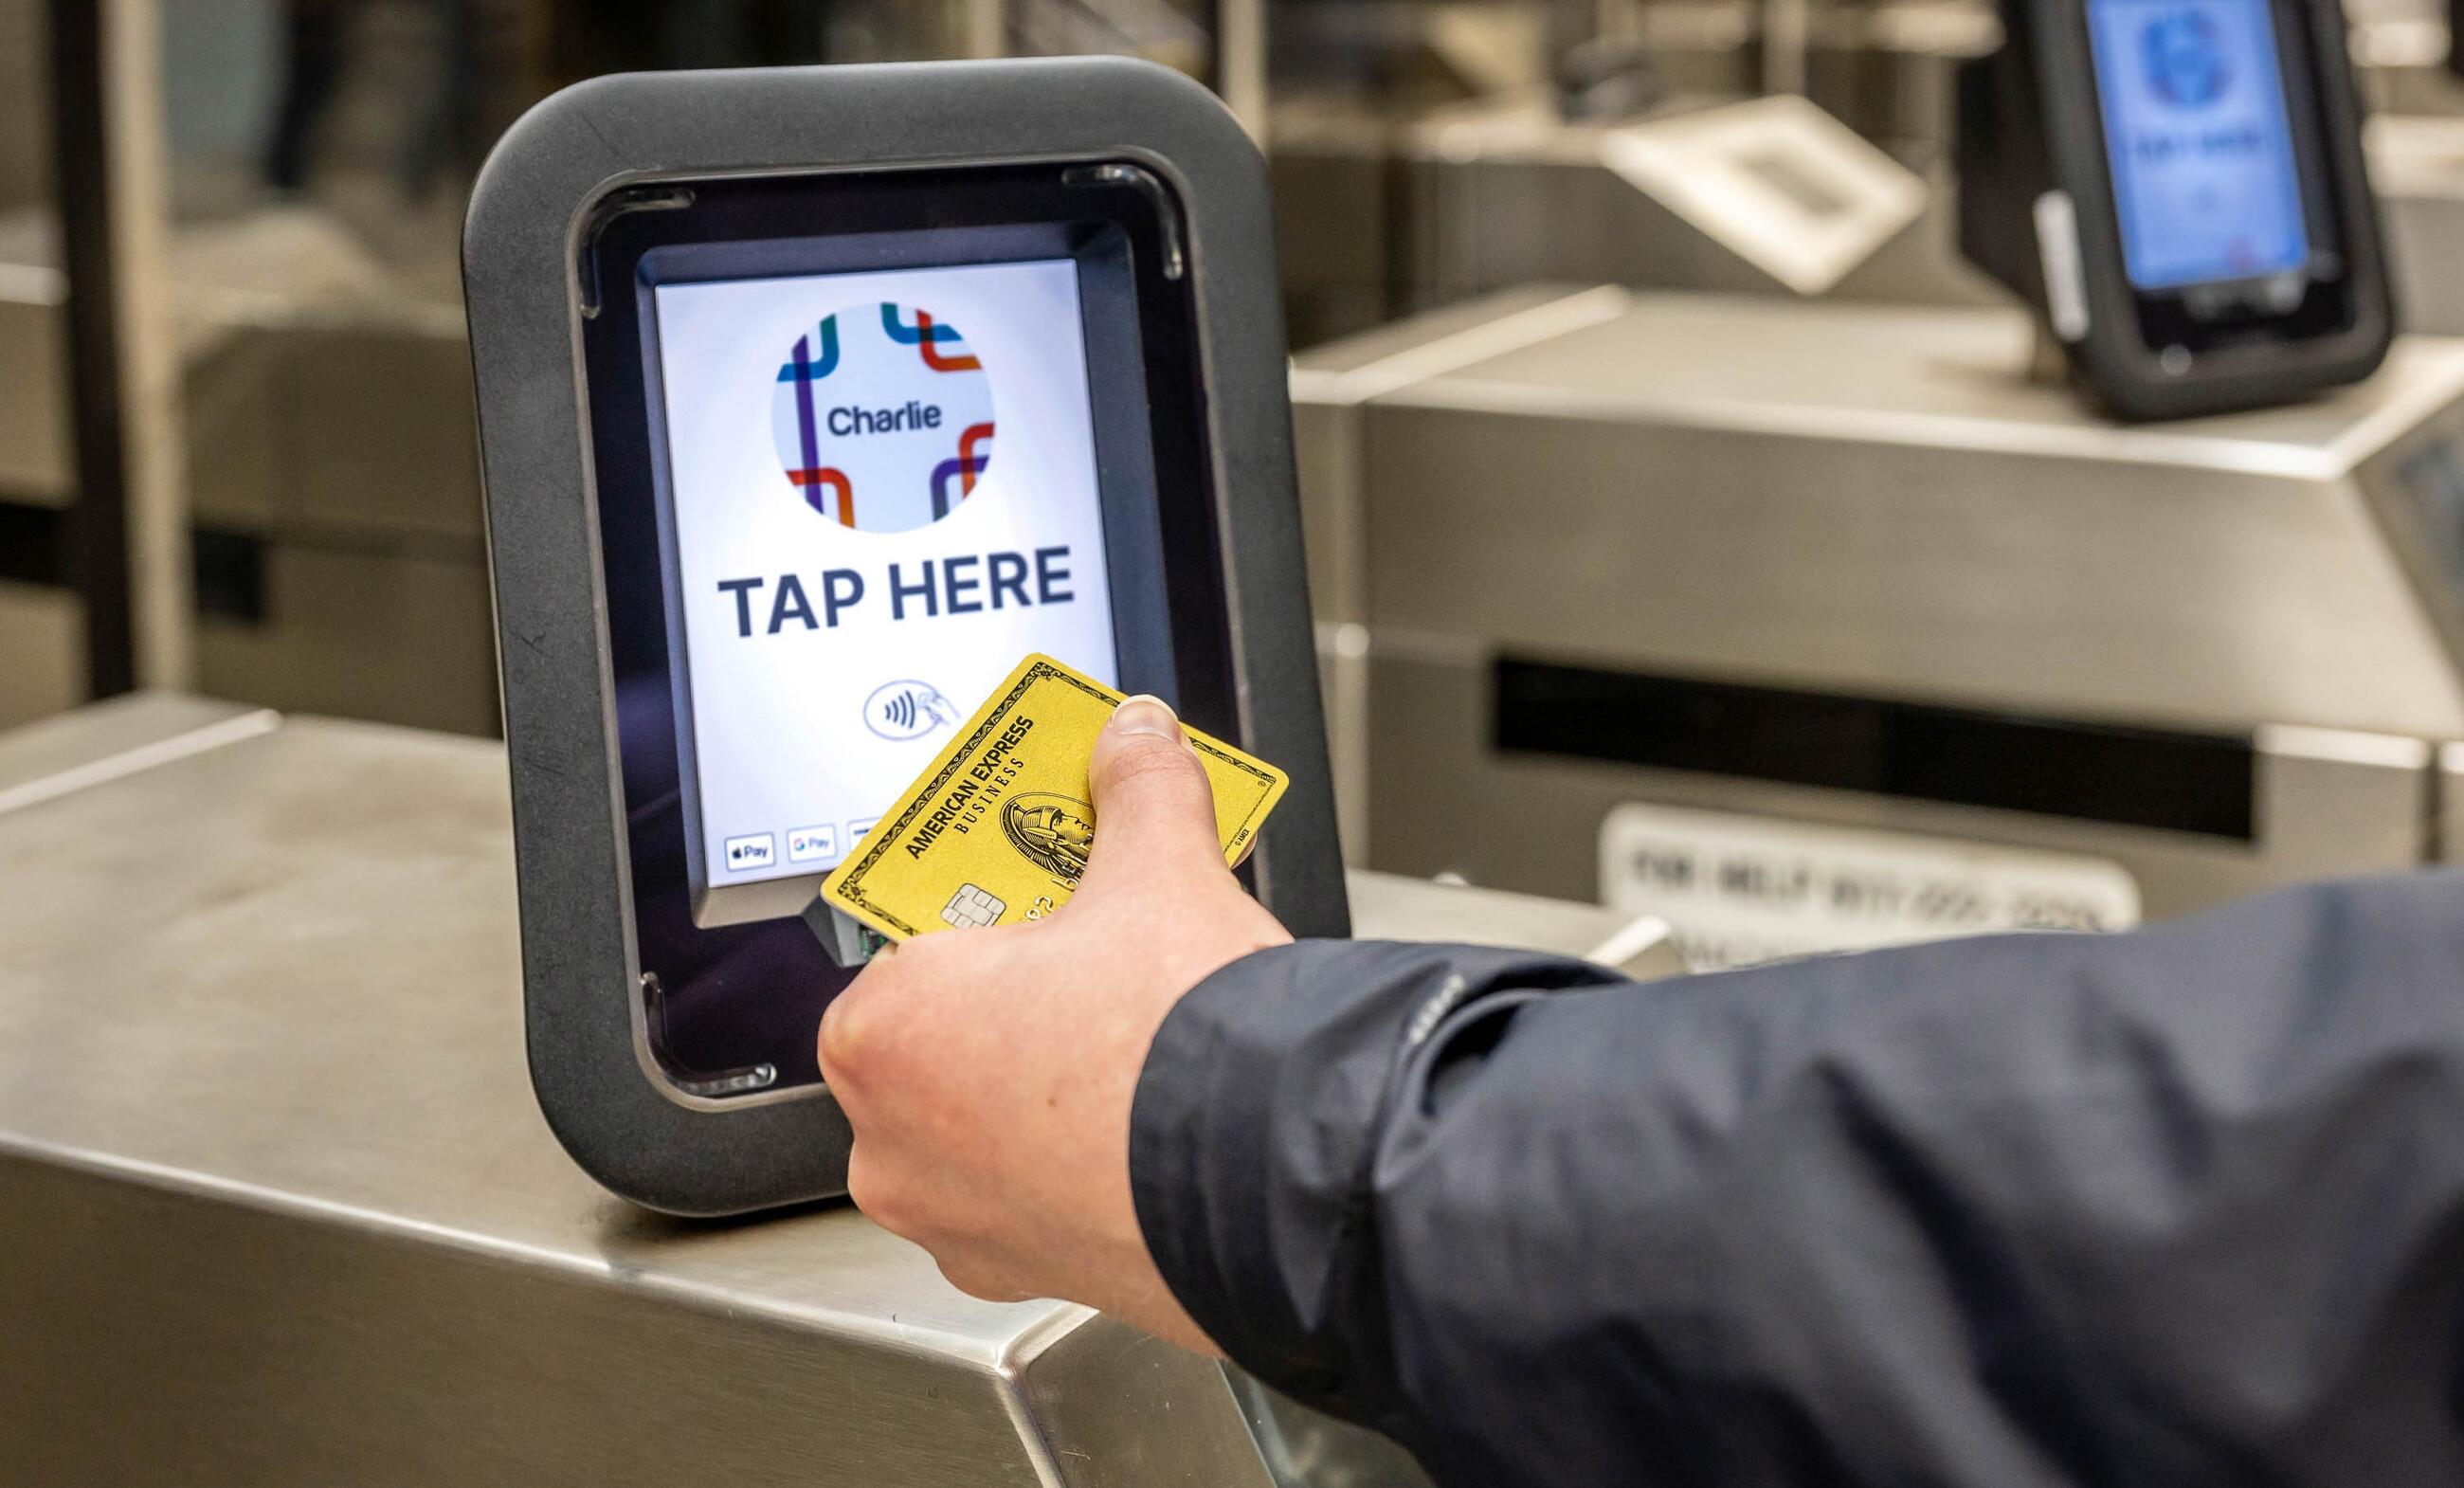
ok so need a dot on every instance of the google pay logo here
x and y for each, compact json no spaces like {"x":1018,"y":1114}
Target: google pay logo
{"x":883,"y":417}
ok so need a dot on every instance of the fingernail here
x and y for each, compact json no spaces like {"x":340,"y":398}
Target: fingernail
{"x":1145,"y":714}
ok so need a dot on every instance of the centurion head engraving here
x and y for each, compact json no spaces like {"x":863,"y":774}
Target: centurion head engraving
{"x":1055,"y":832}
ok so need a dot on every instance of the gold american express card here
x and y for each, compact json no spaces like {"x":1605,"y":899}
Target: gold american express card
{"x":997,"y":830}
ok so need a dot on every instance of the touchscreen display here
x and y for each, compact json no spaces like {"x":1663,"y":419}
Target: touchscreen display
{"x":2196,"y":127}
{"x":881,"y":493}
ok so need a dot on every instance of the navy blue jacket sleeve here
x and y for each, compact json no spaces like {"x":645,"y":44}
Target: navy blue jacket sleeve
{"x":2184,"y":1206}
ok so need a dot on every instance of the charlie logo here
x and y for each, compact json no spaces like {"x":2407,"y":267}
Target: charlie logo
{"x":1055,"y":832}
{"x":2184,"y":59}
{"x":883,"y":417}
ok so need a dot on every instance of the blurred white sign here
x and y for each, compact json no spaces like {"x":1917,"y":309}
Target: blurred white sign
{"x":1738,"y":891}
{"x":1778,"y":182}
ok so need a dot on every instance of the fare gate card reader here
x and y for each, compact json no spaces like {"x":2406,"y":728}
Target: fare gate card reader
{"x":810,"y":400}
{"x":2177,"y":187}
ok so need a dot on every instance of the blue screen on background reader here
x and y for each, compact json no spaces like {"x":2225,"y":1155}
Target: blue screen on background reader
{"x":2195,"y":124}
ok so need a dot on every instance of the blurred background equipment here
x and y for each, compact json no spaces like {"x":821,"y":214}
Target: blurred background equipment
{"x":310,"y":156}
{"x":1853,"y":565}
{"x":292,"y":517}
{"x":1822,"y":624}
{"x":2195,"y":232}
{"x":286,"y":196}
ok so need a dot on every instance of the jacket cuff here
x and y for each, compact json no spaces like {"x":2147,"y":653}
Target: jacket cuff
{"x":1254,"y":1132}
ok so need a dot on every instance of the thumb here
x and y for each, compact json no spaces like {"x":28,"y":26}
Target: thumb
{"x":1155,"y":811}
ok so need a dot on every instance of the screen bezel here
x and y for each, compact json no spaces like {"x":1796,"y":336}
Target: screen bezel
{"x":712,"y":1020}
{"x":629,"y":1126}
{"x":2227,"y":325}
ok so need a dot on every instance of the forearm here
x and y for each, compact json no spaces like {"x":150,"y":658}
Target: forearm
{"x":2027,"y":1210}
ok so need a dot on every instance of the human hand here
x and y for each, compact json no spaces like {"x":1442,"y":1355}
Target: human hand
{"x":989,"y":1073}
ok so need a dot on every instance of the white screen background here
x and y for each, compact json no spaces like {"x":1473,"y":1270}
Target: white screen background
{"x":779,"y":731}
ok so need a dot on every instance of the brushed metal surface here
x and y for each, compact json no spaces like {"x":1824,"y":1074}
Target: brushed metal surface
{"x":389,"y":635}
{"x":34,"y":454}
{"x":163,"y":1331}
{"x":1332,"y":386}
{"x":1876,"y":500}
{"x":2417,"y":167}
{"x":1378,"y":218}
{"x":2325,"y":802}
{"x":1416,"y":908}
{"x":42,"y":652}
{"x":1941,"y":375}
{"x":45,"y":759}
{"x":277,"y":1207}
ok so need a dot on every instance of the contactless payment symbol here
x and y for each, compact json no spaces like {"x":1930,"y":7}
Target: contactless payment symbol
{"x":2184,"y":59}
{"x":883,"y":417}
{"x":909,"y":710}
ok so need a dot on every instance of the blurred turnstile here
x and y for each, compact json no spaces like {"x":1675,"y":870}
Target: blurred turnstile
{"x":2417,"y":168}
{"x":277,"y":1207}
{"x":1849,"y":566}
{"x":1378,"y":218}
{"x":332,"y":470}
